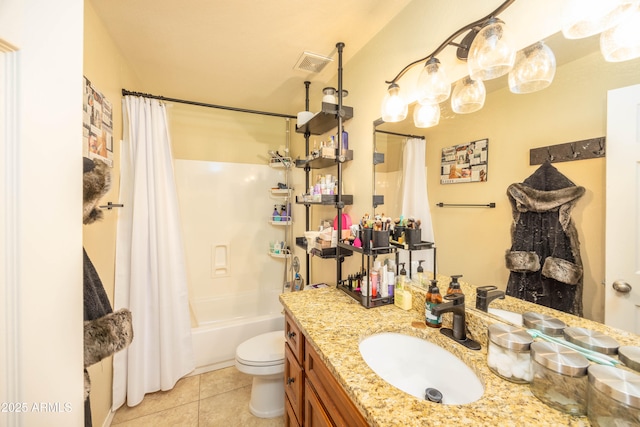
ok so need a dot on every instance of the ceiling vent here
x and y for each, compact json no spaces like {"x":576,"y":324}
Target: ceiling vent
{"x":312,"y":62}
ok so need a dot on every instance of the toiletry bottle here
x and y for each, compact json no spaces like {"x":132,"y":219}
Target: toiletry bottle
{"x":345,"y":140}
{"x":402,"y":292}
{"x":276,"y":215}
{"x":373,"y":279}
{"x":421,"y":280}
{"x":432,"y":299}
{"x":454,"y":286}
{"x":391,"y":276}
{"x":383,"y":288}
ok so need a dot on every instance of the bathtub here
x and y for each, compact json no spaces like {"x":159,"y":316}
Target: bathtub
{"x":226,"y":321}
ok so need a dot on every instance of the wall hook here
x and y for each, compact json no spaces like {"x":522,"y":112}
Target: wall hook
{"x":600,"y":152}
{"x":549,"y":155}
{"x":574,"y":153}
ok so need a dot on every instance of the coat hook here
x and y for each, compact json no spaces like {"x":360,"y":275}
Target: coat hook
{"x":600,"y":152}
{"x":575,"y":153}
{"x":549,"y":155}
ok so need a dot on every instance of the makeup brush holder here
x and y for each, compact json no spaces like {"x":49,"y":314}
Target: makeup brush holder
{"x":398,"y":231}
{"x":412,"y":236}
{"x":380,"y":239}
{"x":366,"y":235}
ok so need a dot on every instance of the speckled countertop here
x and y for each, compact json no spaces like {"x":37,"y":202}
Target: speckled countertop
{"x":335,"y":324}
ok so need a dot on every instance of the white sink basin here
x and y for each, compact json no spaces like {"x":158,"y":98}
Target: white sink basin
{"x":509,"y":316}
{"x":413,"y":365}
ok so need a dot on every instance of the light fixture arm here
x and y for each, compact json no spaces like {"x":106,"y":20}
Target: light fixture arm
{"x":452,"y":37}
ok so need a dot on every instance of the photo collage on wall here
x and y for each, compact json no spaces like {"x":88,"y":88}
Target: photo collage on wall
{"x":97,"y":124}
{"x":465,"y":162}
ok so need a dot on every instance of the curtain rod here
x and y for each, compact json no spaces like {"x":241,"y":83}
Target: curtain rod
{"x":126,"y":92}
{"x":399,"y":134}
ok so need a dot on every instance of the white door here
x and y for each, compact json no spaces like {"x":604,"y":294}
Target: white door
{"x":622,"y":260}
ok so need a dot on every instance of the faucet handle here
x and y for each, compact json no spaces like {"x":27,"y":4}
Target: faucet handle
{"x":456,"y":298}
{"x":484,"y":290}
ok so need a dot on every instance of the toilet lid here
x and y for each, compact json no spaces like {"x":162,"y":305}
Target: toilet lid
{"x":262,"y":350}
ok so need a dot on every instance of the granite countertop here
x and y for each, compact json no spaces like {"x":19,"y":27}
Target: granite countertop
{"x":335,"y":324}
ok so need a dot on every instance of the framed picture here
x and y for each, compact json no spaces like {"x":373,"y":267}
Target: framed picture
{"x":465,"y":162}
{"x":97,"y":124}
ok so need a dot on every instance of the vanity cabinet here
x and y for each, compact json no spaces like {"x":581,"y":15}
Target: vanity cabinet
{"x":313,"y":397}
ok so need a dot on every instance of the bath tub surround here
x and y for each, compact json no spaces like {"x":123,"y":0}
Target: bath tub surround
{"x":335,"y":325}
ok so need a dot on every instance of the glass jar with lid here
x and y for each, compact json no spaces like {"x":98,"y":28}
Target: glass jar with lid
{"x":559,"y":377}
{"x":329,"y":95}
{"x":508,"y":354}
{"x":613,"y":396}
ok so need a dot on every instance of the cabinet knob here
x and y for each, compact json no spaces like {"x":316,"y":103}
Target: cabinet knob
{"x":290,"y":380}
{"x":291,"y":335}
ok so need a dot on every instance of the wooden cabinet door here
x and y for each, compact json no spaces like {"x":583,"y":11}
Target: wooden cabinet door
{"x":314,"y":413}
{"x":293,"y":382}
{"x":290,"y":419}
{"x":294,"y":338}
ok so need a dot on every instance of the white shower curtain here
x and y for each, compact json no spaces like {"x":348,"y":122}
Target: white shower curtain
{"x":415,"y":200}
{"x":150,"y":264}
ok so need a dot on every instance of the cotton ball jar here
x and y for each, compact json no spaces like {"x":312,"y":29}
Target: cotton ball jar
{"x":508,"y":354}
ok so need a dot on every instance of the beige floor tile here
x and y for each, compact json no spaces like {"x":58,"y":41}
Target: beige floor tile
{"x":181,"y":416}
{"x":222,"y":381}
{"x":231,"y":409}
{"x":185,"y":391}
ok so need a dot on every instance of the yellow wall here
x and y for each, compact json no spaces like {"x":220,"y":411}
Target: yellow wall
{"x":105,"y":67}
{"x":473,"y":242}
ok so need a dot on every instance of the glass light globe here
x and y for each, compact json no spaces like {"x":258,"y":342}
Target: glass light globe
{"x":622,"y":42}
{"x":468,"y":96}
{"x":426,"y":115}
{"x":533,"y":70}
{"x":394,"y":106}
{"x":433,"y":85}
{"x":491,"y":53}
{"x":584,"y":18}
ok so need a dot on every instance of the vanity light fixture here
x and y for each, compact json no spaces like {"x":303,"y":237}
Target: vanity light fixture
{"x":433,"y":84}
{"x":622,"y":42}
{"x":468,"y":96}
{"x":584,"y":18}
{"x":426,"y":115}
{"x":534,"y":69}
{"x":491,"y":54}
{"x":394,"y":106}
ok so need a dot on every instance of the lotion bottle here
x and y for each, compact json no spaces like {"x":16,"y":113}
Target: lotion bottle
{"x":402,"y":291}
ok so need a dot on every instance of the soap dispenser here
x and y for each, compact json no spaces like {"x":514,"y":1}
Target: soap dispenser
{"x":402,"y":292}
{"x":454,"y":286}
{"x":432,"y":299}
{"x":421,"y":279}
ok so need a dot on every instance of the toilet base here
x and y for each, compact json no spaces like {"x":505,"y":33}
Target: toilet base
{"x":267,"y":396}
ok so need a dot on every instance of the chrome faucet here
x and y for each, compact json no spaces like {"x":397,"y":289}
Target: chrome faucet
{"x":455,"y":305}
{"x":486,"y":294}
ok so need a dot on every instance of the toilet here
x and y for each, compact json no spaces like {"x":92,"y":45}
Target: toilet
{"x":263,"y":357}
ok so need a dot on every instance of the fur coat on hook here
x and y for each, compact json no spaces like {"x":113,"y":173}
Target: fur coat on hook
{"x":105,"y":331}
{"x":544,"y":259}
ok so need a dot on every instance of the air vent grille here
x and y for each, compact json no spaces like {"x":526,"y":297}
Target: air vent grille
{"x":312,"y":62}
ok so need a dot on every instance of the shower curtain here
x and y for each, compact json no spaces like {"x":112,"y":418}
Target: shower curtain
{"x":150,"y":264}
{"x":415,"y":200}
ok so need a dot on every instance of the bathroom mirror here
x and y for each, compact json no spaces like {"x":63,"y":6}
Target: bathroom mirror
{"x":473,"y":241}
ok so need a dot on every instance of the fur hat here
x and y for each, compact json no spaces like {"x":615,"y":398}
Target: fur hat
{"x":96,"y":183}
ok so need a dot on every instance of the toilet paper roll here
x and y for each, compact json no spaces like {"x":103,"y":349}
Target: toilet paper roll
{"x":304,"y":117}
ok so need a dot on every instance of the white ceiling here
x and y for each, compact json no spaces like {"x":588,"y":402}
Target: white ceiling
{"x":238,"y":53}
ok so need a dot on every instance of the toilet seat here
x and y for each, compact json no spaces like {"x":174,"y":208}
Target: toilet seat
{"x":262,"y":350}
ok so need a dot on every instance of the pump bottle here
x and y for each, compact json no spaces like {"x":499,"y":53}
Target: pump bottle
{"x":454,"y":286}
{"x":421,"y":279}
{"x":402,"y":292}
{"x":432,"y":299}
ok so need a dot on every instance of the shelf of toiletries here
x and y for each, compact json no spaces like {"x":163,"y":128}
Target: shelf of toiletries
{"x":323,"y":199}
{"x":280,"y":162}
{"x":325,"y":157}
{"x":281,"y":192}
{"x":284,"y":220}
{"x":368,"y":251}
{"x":413,"y":246}
{"x":325,"y":120}
{"x":327,"y":252}
{"x":280,"y":253}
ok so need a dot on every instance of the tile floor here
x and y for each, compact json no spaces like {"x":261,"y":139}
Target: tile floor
{"x":213,"y":399}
